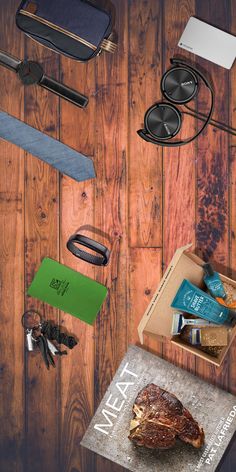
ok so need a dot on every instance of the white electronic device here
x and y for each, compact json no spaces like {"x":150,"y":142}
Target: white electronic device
{"x":209,"y":42}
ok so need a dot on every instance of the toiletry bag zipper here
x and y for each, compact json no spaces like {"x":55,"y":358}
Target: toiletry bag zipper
{"x":33,"y":19}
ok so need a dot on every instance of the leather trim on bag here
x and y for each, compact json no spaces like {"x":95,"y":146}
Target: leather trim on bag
{"x":31,"y":7}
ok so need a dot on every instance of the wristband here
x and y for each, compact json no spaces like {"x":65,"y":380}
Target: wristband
{"x":103,"y":251}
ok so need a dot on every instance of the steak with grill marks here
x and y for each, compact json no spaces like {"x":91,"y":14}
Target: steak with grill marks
{"x":160,"y":418}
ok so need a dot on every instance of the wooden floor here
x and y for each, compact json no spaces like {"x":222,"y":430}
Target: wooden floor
{"x":150,"y":200}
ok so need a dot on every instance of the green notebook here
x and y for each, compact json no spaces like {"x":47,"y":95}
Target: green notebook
{"x":68,"y":290}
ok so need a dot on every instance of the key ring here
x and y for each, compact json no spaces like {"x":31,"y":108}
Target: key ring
{"x":31,"y":319}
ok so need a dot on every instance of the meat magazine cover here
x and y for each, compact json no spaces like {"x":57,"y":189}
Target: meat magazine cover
{"x":157,"y":417}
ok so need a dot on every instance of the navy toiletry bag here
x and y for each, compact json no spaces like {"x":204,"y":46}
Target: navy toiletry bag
{"x":75,"y":28}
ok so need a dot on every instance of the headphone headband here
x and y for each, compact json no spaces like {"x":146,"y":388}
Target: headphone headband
{"x":143,"y":132}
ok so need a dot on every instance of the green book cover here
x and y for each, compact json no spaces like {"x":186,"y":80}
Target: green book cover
{"x":68,"y":290}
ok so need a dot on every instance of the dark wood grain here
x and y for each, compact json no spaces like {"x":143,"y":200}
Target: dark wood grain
{"x":12,"y":404}
{"x":111,"y":206}
{"x":77,"y":129}
{"x":178,"y":167}
{"x":41,"y":240}
{"x":148,"y":199}
{"x":213,"y":173}
{"x":145,"y":160}
{"x":232,"y":194}
{"x":144,"y":276}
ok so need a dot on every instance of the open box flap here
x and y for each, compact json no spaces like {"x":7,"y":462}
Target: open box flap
{"x":159,"y":315}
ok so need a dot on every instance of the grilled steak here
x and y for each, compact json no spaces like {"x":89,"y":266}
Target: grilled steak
{"x":159,"y":418}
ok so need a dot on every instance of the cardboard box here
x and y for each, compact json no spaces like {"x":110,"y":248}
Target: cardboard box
{"x":157,"y":319}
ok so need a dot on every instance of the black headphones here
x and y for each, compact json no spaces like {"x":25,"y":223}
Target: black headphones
{"x":162,"y":121}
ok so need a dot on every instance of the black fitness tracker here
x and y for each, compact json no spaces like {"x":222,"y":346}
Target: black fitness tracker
{"x":79,"y":239}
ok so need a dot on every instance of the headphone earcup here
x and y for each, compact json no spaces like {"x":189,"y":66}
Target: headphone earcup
{"x":179,"y":85}
{"x":162,"y":121}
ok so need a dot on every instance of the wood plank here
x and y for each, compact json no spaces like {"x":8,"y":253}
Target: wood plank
{"x":145,"y":161}
{"x":145,"y":274}
{"x":41,"y":239}
{"x":213,"y":172}
{"x":60,"y":403}
{"x":11,"y":261}
{"x":77,"y":210}
{"x":232,"y":206}
{"x":111,"y":207}
{"x":178,"y":168}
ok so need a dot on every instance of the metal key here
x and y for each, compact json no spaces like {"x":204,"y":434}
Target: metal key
{"x":29,"y":340}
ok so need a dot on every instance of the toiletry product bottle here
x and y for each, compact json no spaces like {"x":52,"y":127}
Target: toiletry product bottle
{"x":192,"y":299}
{"x":213,"y":282}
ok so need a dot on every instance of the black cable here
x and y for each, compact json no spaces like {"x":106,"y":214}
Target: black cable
{"x":227,"y":127}
{"x":212,"y":124}
{"x":208,"y":85}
